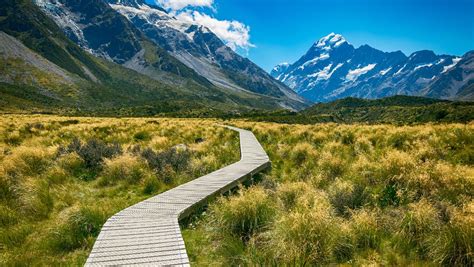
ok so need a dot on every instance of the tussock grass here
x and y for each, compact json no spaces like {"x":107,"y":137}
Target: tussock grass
{"x":61,"y":178}
{"x":354,"y":194}
{"x":246,"y":214}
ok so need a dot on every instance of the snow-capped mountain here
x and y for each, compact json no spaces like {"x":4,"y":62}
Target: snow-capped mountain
{"x":147,"y":39}
{"x":333,"y":69}
{"x":455,"y":82}
{"x":200,"y":49}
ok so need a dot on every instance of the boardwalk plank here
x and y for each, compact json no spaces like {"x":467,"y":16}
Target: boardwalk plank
{"x":148,"y":233}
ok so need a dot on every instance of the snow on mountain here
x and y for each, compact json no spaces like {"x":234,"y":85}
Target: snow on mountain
{"x":279,"y":69}
{"x":330,"y":41}
{"x":200,"y":49}
{"x":456,"y":80}
{"x":333,"y":68}
{"x":455,"y":61}
{"x":149,"y":40}
{"x":354,"y":74}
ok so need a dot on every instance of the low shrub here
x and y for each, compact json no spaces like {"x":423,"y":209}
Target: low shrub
{"x":26,"y":161}
{"x":301,"y":153}
{"x":14,"y":236}
{"x":179,"y":160}
{"x":56,"y":175}
{"x":151,"y":184}
{"x":72,"y":163}
{"x":142,"y":136}
{"x":290,"y":193}
{"x":7,"y":216}
{"x":345,"y":196}
{"x":93,"y":152}
{"x":420,"y":221}
{"x":331,"y":165}
{"x":35,"y":199}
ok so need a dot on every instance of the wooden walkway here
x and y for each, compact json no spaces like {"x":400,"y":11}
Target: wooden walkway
{"x":148,"y":233}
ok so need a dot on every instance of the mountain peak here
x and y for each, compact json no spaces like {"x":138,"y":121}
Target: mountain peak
{"x":330,"y":41}
{"x":423,"y":56}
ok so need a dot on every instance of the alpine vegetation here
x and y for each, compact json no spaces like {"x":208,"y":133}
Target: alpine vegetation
{"x":348,"y":194}
{"x":62,"y":178}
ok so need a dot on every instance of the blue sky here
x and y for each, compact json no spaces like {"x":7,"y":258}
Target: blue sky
{"x":283,"y":30}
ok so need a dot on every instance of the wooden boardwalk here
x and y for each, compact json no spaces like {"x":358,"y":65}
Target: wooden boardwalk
{"x":148,"y":233}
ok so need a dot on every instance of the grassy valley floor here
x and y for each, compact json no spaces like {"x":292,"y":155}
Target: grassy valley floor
{"x":62,"y":177}
{"x":349,"y":195}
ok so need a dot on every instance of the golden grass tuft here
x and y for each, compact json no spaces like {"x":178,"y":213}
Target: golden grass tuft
{"x":304,"y":236}
{"x":27,"y":161}
{"x":124,"y":168}
{"x":243,"y":215}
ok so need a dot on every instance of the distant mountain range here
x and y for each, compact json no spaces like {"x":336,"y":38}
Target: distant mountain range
{"x":91,"y":55}
{"x":126,"y":57}
{"x":334,"y":69}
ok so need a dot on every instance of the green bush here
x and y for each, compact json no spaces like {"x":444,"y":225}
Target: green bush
{"x":151,"y":185}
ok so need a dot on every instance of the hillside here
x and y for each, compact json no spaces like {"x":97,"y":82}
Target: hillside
{"x":200,"y":49}
{"x":391,"y":110}
{"x":44,"y":71}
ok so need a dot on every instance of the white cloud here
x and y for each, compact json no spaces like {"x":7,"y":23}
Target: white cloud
{"x":180,"y":4}
{"x":233,"y":33}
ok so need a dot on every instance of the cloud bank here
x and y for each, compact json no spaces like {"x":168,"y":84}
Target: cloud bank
{"x":233,"y":33}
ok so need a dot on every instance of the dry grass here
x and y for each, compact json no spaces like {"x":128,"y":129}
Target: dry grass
{"x":354,"y":194}
{"x":55,"y":194}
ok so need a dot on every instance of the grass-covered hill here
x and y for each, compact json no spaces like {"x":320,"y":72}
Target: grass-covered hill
{"x":42,"y":70}
{"x":393,"y":110}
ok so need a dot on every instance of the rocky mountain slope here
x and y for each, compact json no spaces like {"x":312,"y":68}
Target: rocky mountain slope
{"x":333,"y":69}
{"x":129,"y":33}
{"x":103,"y":32}
{"x":455,"y":83}
{"x":201,"y":50}
{"x":43,"y":70}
